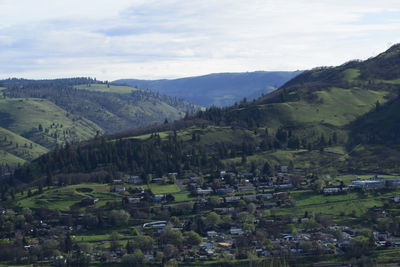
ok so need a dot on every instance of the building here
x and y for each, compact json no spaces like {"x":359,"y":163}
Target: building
{"x":236,"y":231}
{"x":207,"y":191}
{"x":119,"y":189}
{"x":330,"y":191}
{"x":134,"y":180}
{"x":368,"y":184}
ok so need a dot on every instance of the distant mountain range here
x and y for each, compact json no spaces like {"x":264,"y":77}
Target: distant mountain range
{"x":219,"y":89}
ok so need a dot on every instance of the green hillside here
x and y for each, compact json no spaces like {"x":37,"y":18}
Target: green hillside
{"x":17,"y":149}
{"x":311,"y":120}
{"x":43,"y":122}
{"x":53,"y":112}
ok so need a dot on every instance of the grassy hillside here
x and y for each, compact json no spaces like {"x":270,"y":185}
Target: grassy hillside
{"x":17,"y":149}
{"x":112,"y":108}
{"x":53,"y":112}
{"x":43,"y":122}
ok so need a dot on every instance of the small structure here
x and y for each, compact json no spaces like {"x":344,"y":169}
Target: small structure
{"x":119,"y":189}
{"x":236,"y":231}
{"x":330,"y":191}
{"x":158,"y":198}
{"x":203,"y":192}
{"x":134,"y":180}
{"x":368,"y":184}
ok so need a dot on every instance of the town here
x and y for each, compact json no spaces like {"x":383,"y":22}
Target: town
{"x":187,"y":218}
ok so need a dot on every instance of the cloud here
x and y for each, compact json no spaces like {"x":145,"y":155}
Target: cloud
{"x":171,"y":38}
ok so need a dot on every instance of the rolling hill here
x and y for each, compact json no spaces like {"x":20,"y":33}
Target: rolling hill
{"x":219,"y":89}
{"x":47,"y":113}
{"x":311,"y":121}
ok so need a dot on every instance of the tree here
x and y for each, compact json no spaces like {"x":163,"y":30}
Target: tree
{"x":114,"y":241}
{"x":251,"y":208}
{"x":212,"y":218}
{"x":133,"y":260}
{"x":119,"y":217}
{"x":170,"y":251}
{"x":193,"y":238}
{"x":68,"y":243}
{"x":267,"y":169}
{"x":169,"y":236}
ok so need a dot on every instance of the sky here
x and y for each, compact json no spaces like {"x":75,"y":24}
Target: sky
{"x":147,"y":39}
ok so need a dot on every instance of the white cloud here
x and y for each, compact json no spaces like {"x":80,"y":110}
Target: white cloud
{"x":175,"y":38}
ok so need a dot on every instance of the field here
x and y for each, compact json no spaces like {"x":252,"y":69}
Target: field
{"x":62,"y":198}
{"x":349,"y":204}
{"x":164,"y":189}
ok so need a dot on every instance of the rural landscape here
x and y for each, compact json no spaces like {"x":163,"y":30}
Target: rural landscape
{"x":240,"y":167}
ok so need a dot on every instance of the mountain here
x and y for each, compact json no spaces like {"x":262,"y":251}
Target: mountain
{"x":311,"y":121}
{"x":219,"y":89}
{"x":41,"y":114}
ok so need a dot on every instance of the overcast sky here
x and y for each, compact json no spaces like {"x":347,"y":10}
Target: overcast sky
{"x":112,"y":39}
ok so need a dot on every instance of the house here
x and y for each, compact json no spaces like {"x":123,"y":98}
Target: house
{"x":265,"y":196}
{"x":134,"y":180}
{"x":207,"y":191}
{"x":225,"y":191}
{"x":134,"y":200}
{"x":157,"y":180}
{"x":137,"y":190}
{"x":368,"y":184}
{"x":396,"y":198}
{"x":224,"y":210}
{"x":119,"y":189}
{"x":284,"y":169}
{"x":246,"y":188}
{"x":283,"y":186}
{"x":212,"y":234}
{"x":231,"y":199}
{"x":236,"y":231}
{"x":330,"y":191}
{"x":158,"y":198}
{"x":118,"y":181}
{"x":250,"y":197}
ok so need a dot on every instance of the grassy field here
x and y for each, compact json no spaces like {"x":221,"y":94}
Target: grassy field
{"x":164,"y":189}
{"x":350,"y":75}
{"x":337,"y":205}
{"x":353,"y":103}
{"x":62,"y":198}
{"x":182,"y":197}
{"x":107,"y":89}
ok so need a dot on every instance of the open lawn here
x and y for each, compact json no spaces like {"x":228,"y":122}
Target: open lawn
{"x":164,"y":189}
{"x":351,"y":203}
{"x":182,"y":197}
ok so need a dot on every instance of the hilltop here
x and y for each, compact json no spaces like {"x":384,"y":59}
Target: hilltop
{"x":218,"y":89}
